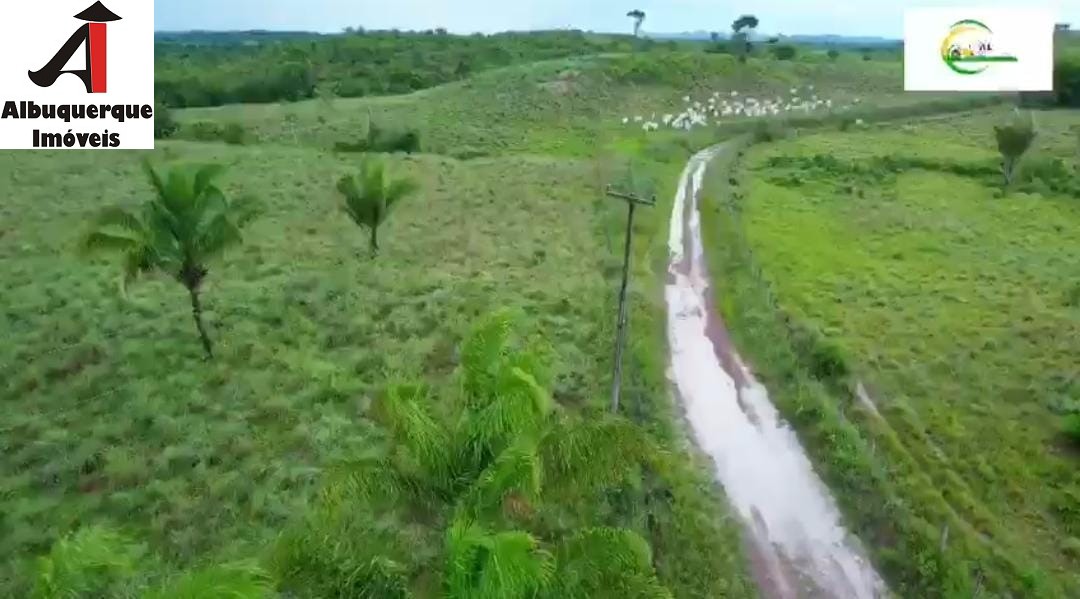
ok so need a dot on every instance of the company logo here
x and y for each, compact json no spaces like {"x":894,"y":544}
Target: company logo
{"x":94,"y":37}
{"x":969,"y":48}
{"x":77,"y":74}
{"x":978,"y":49}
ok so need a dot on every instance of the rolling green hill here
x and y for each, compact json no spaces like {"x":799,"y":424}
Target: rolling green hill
{"x":115,"y":419}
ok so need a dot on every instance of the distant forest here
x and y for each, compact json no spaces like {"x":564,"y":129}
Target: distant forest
{"x":206,"y":68}
{"x":215,"y":68}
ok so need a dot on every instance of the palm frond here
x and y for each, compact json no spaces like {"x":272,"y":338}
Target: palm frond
{"x":368,"y":480}
{"x":403,"y":409}
{"x":606,"y":562}
{"x":156,"y":180}
{"x":484,"y":565}
{"x":372,"y":179}
{"x":398,"y":190}
{"x":215,"y":236}
{"x":119,"y":219}
{"x":205,"y":175}
{"x":585,"y":457}
{"x":482,"y":353}
{"x":109,"y":241}
{"x":241,"y":580}
{"x":342,"y":553}
{"x":85,"y":563}
{"x":358,"y":205}
{"x":516,"y":473}
{"x":245,"y":209}
{"x":179,"y":198}
{"x":114,"y":229}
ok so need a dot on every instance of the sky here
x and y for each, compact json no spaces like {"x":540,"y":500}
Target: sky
{"x":845,"y":17}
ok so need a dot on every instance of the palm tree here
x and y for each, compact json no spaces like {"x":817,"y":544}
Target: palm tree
{"x":188,"y":224}
{"x":639,"y":17}
{"x":100,"y":562}
{"x":507,"y":447}
{"x":369,"y":198}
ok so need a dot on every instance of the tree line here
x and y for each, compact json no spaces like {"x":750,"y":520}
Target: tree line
{"x":193,"y":72}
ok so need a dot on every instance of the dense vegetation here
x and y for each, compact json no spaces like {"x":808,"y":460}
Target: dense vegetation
{"x":191,"y":72}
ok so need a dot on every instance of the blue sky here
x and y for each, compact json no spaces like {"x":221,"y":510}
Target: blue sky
{"x":848,"y":17}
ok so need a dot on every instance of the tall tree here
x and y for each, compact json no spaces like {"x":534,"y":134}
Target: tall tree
{"x":744,"y":22}
{"x":740,"y":39}
{"x":1014,"y":138}
{"x":639,"y":17}
{"x":370,"y":197}
{"x":189,"y":223}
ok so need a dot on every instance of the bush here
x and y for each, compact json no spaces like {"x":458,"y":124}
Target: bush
{"x":382,"y":140}
{"x":230,"y":133}
{"x":784,"y":52}
{"x":770,"y":130}
{"x":1067,"y":80}
{"x":164,"y":123}
{"x":1071,"y":427}
{"x":1014,"y":138}
{"x":202,"y":131}
{"x":833,"y":54}
{"x":234,"y":134}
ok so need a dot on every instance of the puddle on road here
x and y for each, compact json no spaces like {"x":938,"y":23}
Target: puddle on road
{"x":800,"y":549}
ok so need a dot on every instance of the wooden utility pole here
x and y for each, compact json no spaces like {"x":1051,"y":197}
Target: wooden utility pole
{"x":620,"y":336}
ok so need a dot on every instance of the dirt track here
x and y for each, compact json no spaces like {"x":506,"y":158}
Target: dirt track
{"x":798,"y":547}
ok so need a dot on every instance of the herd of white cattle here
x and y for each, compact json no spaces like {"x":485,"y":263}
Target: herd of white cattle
{"x":719,"y":106}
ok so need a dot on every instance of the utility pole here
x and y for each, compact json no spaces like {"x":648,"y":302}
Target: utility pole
{"x":632,"y":201}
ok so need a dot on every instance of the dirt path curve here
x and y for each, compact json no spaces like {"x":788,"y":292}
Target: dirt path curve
{"x":799,"y":548}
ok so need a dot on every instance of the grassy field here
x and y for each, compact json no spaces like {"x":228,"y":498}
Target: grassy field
{"x":115,"y":419}
{"x":568,"y":107}
{"x":888,"y":256}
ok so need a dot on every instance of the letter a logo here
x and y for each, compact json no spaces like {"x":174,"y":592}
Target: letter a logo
{"x":93,"y":35}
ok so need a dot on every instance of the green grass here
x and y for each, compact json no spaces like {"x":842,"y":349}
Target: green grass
{"x":116,"y":420}
{"x":307,"y":326}
{"x":567,"y":107}
{"x":950,"y":302}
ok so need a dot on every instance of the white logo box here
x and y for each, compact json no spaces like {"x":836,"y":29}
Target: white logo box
{"x":995,"y":49}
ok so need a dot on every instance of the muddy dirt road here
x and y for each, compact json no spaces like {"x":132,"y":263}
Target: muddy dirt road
{"x":799,"y":549}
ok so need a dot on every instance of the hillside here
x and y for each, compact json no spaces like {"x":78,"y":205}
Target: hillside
{"x":916,"y":323}
{"x":430,"y":416}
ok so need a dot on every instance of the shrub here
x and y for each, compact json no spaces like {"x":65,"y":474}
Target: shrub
{"x":770,"y":130}
{"x":1067,"y":79}
{"x":164,"y":123}
{"x":1071,"y":547}
{"x":382,"y":140}
{"x":234,"y":134}
{"x":784,"y":52}
{"x":1041,"y":172}
{"x":833,"y":54}
{"x":1071,"y":427}
{"x":821,"y":357}
{"x":202,"y":131}
{"x":230,"y":133}
{"x":1014,"y":137}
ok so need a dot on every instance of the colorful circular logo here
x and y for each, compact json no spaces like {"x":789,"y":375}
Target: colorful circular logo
{"x":969,"y":48}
